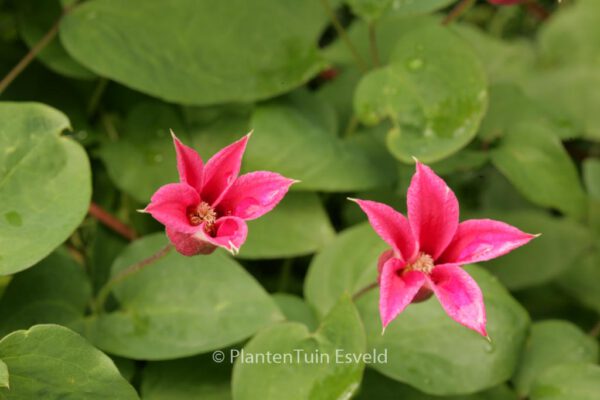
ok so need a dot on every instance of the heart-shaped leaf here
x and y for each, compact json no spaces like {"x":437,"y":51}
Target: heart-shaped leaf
{"x":568,"y":382}
{"x":45,"y":184}
{"x":198,"y":52}
{"x":52,"y":362}
{"x":180,"y":306}
{"x":328,"y":376}
{"x":433,"y":90}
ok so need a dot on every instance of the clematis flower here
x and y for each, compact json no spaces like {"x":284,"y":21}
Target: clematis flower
{"x":209,"y":206}
{"x":429,"y":247}
{"x":505,"y":2}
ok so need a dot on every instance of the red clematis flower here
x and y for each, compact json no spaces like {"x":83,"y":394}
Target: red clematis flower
{"x":209,"y":206}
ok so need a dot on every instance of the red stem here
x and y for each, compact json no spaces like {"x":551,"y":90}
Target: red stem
{"x":112,"y":222}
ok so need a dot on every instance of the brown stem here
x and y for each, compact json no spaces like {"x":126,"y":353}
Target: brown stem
{"x":111,"y":221}
{"x":536,"y":9}
{"x":458,"y":10}
{"x":364,"y":290}
{"x":34,"y":51}
{"x":373,"y":45}
{"x":103,"y":293}
{"x":362,"y":65}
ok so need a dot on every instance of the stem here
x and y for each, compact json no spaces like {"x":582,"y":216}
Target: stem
{"x":96,"y":96}
{"x":34,"y":51}
{"x":362,"y":65}
{"x":364,"y":290}
{"x":595,"y":331}
{"x":458,"y":10}
{"x":536,"y":9}
{"x":286,"y":273}
{"x":111,"y":221}
{"x":351,"y":127}
{"x":126,"y":273}
{"x":373,"y":45}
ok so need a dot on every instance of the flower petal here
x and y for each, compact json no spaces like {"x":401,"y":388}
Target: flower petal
{"x":392,"y":227}
{"x":230,"y":234}
{"x":483,"y":239}
{"x":255,"y":194}
{"x":397,"y":291}
{"x":169,"y":206}
{"x":221,"y":171}
{"x":189,"y":164}
{"x":188,"y":244}
{"x":432,"y":211}
{"x":460,"y":296}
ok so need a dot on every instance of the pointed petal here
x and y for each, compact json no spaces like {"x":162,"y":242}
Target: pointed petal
{"x":432,"y":211}
{"x":189,"y":164}
{"x":460,"y":296}
{"x":188,"y":244}
{"x":392,"y":227}
{"x":483,"y":239}
{"x":169,"y":206}
{"x":230,"y":234}
{"x":221,"y":171}
{"x":255,"y":194}
{"x":397,"y":291}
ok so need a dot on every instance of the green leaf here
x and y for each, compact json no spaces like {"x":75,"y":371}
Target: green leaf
{"x":369,"y":10}
{"x":411,"y":8}
{"x":143,"y":159}
{"x":295,"y":309}
{"x":187,"y":379}
{"x":56,"y":290}
{"x":298,"y":226}
{"x":198,"y":52}
{"x":322,"y":378}
{"x":568,"y":382}
{"x":574,"y":93}
{"x":52,"y":362}
{"x":377,"y":386}
{"x":349,"y":263}
{"x":591,"y":177}
{"x":434,"y":90}
{"x":537,"y":164}
{"x":45,"y":184}
{"x":552,"y":343}
{"x":426,"y":348}
{"x":510,"y":106}
{"x":180,"y":306}
{"x":4,"y":377}
{"x":582,"y":280}
{"x":542,"y":260}
{"x":294,"y":143}
{"x":36,"y":18}
{"x":572,"y":36}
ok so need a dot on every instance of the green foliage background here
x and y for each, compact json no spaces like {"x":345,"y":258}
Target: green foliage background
{"x":503,"y":103}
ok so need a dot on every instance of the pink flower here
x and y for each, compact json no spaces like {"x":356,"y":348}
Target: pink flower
{"x":505,"y":2}
{"x":429,"y":247}
{"x":209,"y":206}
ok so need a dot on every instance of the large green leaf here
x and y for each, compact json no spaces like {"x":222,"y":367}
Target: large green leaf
{"x":591,"y":177}
{"x":36,"y":18}
{"x":195,"y":378}
{"x":562,"y":242}
{"x":51,"y":362}
{"x":552,"y":343}
{"x":537,"y":164}
{"x":4,"y":377}
{"x":45,"y":184}
{"x":298,"y":226}
{"x":144,"y":158}
{"x":568,"y":382}
{"x":372,"y":10}
{"x":56,"y":290}
{"x":296,"y":309}
{"x":426,"y":348}
{"x":296,"y":143}
{"x":180,"y":306}
{"x":377,"y":386}
{"x":314,"y":366}
{"x":434,"y":90}
{"x":198,"y":52}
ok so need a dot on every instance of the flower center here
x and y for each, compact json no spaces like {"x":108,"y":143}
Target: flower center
{"x":423,"y":263}
{"x":203,"y":212}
